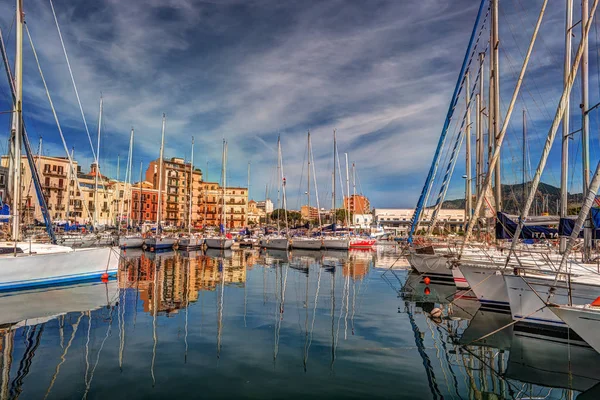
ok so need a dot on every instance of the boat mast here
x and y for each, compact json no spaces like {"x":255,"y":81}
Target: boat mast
{"x":524,"y":155}
{"x":308,"y":179}
{"x":479,"y":141}
{"x":97,"y":165}
{"x":17,"y":123}
{"x":495,"y":105}
{"x":141,"y":189}
{"x":190,"y":191}
{"x":334,"y":216}
{"x":585,"y":128}
{"x":468,"y":194}
{"x":224,"y":172}
{"x":160,"y":167}
{"x":564,"y":166}
{"x":249,"y":181}
{"x":279,"y":183}
{"x":347,"y":193}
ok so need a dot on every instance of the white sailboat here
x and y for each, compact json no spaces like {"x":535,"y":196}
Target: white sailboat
{"x":307,"y":242}
{"x":223,"y":241}
{"x":333,"y":242}
{"x":158,"y":241}
{"x":26,"y":265}
{"x":584,"y":320}
{"x":190,"y":242}
{"x":278,"y":241}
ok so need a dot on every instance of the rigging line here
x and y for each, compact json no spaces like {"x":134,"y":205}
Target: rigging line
{"x":73,"y":81}
{"x":62,"y":137}
{"x":63,"y":357}
{"x":99,"y":352}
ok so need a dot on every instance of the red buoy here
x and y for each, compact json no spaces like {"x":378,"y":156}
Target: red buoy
{"x":596,"y":303}
{"x":427,"y":280}
{"x":427,"y":291}
{"x":104,"y":276}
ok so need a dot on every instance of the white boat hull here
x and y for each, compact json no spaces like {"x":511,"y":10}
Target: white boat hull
{"x":35,"y":270}
{"x":306,"y":244}
{"x":274,"y":243}
{"x":526,"y":305}
{"x":584,"y":321}
{"x":218,"y":243}
{"x":190,"y":243}
{"x":336,"y":244}
{"x":488,"y":286}
{"x":131,"y":242}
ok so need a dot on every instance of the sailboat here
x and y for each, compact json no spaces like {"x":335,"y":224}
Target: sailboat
{"x":223,"y":241}
{"x":278,"y":241}
{"x":136,"y":240}
{"x":190,"y":242}
{"x":307,"y":242}
{"x":160,"y":242}
{"x":30,"y":264}
{"x":333,"y":242}
{"x":584,"y":320}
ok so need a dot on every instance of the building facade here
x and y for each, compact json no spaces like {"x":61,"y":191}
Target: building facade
{"x":397,"y":220}
{"x":175,"y":188}
{"x":357,"y":204}
{"x":144,"y":203}
{"x":309,"y":213}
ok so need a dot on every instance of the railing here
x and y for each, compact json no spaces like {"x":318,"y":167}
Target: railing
{"x":55,"y":173}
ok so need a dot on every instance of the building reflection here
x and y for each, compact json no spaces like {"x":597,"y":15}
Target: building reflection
{"x":181,"y":276}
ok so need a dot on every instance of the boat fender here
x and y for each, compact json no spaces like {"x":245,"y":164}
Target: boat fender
{"x":436,"y":313}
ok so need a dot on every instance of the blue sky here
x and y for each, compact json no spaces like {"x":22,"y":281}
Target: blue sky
{"x":380,"y":72}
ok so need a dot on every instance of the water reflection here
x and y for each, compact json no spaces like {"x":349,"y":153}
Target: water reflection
{"x":247,"y":323}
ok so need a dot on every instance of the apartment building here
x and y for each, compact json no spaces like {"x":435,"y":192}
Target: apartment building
{"x":54,"y":178}
{"x":357,"y":204}
{"x":175,"y":188}
{"x":144,"y":203}
{"x":105,"y":214}
{"x":209,"y":209}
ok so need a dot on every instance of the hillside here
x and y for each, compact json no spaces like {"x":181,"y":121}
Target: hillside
{"x":512,"y":196}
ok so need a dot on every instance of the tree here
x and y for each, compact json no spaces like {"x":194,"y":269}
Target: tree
{"x":340,"y":215}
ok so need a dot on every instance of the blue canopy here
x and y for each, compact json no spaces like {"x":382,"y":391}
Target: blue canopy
{"x":506,"y":228}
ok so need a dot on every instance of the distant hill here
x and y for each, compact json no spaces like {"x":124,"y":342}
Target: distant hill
{"x":512,"y":196}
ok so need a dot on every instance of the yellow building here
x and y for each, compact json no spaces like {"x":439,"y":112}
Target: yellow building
{"x":255,"y":214}
{"x":210,"y":205}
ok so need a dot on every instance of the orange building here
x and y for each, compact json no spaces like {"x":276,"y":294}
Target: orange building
{"x":310,"y":214}
{"x":357,"y":204}
{"x":144,"y":203}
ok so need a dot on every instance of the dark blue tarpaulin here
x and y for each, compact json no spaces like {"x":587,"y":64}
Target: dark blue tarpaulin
{"x":506,"y":228}
{"x":567,"y":224}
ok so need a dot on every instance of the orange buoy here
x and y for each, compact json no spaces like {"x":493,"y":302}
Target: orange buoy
{"x":596,"y":303}
{"x":427,"y":291}
{"x":104,"y":276}
{"x":427,"y":280}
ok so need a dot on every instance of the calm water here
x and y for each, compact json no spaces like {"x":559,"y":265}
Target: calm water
{"x":273,"y":325}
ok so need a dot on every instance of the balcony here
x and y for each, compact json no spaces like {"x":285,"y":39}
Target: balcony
{"x":60,"y":174}
{"x":60,"y":207}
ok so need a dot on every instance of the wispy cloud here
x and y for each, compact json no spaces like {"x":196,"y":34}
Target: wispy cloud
{"x":380,"y":72}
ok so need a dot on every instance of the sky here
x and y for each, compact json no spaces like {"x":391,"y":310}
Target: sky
{"x":379,"y":72}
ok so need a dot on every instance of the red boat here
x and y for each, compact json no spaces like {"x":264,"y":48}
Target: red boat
{"x":361,"y":243}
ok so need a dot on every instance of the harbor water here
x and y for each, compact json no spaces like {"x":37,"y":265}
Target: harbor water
{"x":255,"y":324}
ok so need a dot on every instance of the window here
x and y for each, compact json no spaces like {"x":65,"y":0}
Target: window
{"x":91,"y":194}
{"x":54,"y":168}
{"x":47,"y":181}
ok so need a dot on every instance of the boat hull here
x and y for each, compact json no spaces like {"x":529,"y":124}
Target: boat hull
{"x":362,"y":243}
{"x":528,"y":306}
{"x":488,"y":286}
{"x":131,"y":242}
{"x":154,"y":244}
{"x":306,"y":244}
{"x":218,"y":243}
{"x":38,"y":270}
{"x":585,"y":322}
{"x":191,"y":243}
{"x":274,"y":243}
{"x":336,"y":244}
